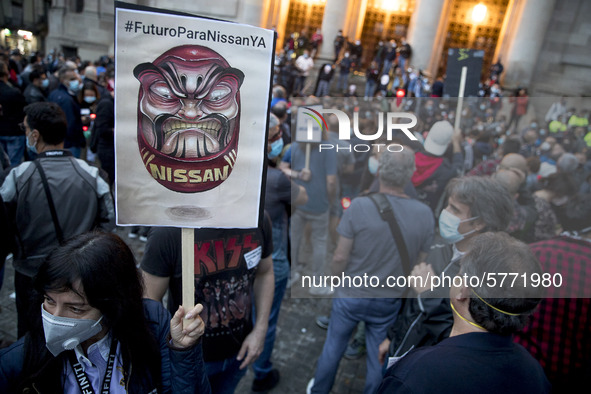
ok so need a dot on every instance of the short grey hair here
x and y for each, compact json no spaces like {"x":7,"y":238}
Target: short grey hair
{"x":273,"y":121}
{"x":567,"y":163}
{"x":61,"y":74}
{"x":487,"y":198}
{"x":396,"y":168}
{"x":507,"y":305}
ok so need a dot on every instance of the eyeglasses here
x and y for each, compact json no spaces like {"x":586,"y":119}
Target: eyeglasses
{"x":22,"y":127}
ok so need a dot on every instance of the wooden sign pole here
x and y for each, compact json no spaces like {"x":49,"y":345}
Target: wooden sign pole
{"x":460,"y":98}
{"x":188,"y":268}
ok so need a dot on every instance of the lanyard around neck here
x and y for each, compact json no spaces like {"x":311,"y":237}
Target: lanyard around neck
{"x":83,"y":382}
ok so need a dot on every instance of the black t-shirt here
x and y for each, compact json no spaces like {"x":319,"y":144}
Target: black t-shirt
{"x":225,"y":267}
{"x":277,"y":194}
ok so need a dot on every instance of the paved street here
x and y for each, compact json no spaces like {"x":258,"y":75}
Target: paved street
{"x":299,"y":339}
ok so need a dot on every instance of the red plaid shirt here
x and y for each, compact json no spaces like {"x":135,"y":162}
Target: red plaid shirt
{"x":559,"y":333}
{"x":487,"y":167}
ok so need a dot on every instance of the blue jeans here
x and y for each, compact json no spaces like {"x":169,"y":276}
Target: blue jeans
{"x":401,"y":63}
{"x":224,"y":375}
{"x":318,"y":223}
{"x":342,"y":85}
{"x":322,"y":89}
{"x":378,"y":314}
{"x":300,"y":84}
{"x":386,"y":67}
{"x":14,"y":146}
{"x":370,"y":88}
{"x":280,"y":258}
{"x":262,"y":366}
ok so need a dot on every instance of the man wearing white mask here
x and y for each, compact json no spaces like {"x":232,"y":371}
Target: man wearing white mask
{"x":475,"y":205}
{"x":66,"y":97}
{"x":304,"y":65}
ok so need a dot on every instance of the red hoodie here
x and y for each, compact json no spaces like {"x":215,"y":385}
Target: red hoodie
{"x":426,"y":166}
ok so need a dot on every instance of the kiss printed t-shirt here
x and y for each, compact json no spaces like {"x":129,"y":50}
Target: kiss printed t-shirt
{"x":226,"y":262}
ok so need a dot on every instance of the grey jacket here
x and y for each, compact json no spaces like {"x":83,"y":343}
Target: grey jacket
{"x":81,"y":197}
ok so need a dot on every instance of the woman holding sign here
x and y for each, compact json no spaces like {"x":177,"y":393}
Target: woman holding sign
{"x":94,"y":334}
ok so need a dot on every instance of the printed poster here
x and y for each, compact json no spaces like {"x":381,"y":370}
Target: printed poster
{"x":191,"y":112}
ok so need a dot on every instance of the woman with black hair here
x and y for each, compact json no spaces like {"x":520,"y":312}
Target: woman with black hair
{"x":95,"y":334}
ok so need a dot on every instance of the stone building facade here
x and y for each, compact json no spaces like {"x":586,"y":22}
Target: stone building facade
{"x":543,"y":44}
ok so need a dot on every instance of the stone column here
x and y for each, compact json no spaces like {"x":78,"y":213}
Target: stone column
{"x":334,"y":19}
{"x":422,"y":31}
{"x":526,"y":42}
{"x":252,"y":12}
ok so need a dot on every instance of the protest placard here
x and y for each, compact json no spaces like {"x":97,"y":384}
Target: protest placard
{"x":191,"y":112}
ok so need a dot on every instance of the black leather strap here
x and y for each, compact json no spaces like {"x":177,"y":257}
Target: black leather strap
{"x":56,"y":224}
{"x":385,"y":209}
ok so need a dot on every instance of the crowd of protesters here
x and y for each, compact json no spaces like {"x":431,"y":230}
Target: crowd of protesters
{"x":83,"y":89}
{"x":542,"y":167}
{"x":452,"y":191}
{"x":544,"y":174}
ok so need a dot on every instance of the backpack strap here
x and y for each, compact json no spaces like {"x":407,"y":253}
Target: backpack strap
{"x":56,"y":224}
{"x":387,"y":214}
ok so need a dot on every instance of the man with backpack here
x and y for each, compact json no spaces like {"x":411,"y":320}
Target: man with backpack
{"x":475,"y":205}
{"x":366,"y":248}
{"x":54,"y":198}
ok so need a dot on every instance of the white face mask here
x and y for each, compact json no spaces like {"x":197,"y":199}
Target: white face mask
{"x":64,"y":333}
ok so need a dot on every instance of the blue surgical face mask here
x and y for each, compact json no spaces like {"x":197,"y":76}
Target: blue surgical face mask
{"x":448,"y":227}
{"x":89,"y":99}
{"x":372,"y":165}
{"x":276,"y":148}
{"x":45,"y":83}
{"x":74,"y":85}
{"x":30,"y":146}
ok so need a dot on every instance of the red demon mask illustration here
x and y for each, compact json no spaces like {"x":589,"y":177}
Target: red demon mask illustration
{"x":189,"y":118}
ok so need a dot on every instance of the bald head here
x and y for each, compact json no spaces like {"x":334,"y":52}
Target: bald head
{"x":515,"y":162}
{"x":90,"y":73}
{"x":70,"y":64}
{"x":511,"y":180}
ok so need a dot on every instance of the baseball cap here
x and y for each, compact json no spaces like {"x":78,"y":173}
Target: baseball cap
{"x":439,"y":137}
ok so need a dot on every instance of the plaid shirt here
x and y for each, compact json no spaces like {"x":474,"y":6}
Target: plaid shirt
{"x":559,"y":332}
{"x":487,"y":167}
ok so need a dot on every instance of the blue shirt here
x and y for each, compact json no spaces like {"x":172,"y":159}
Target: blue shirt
{"x":322,"y":164}
{"x":94,"y":367}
